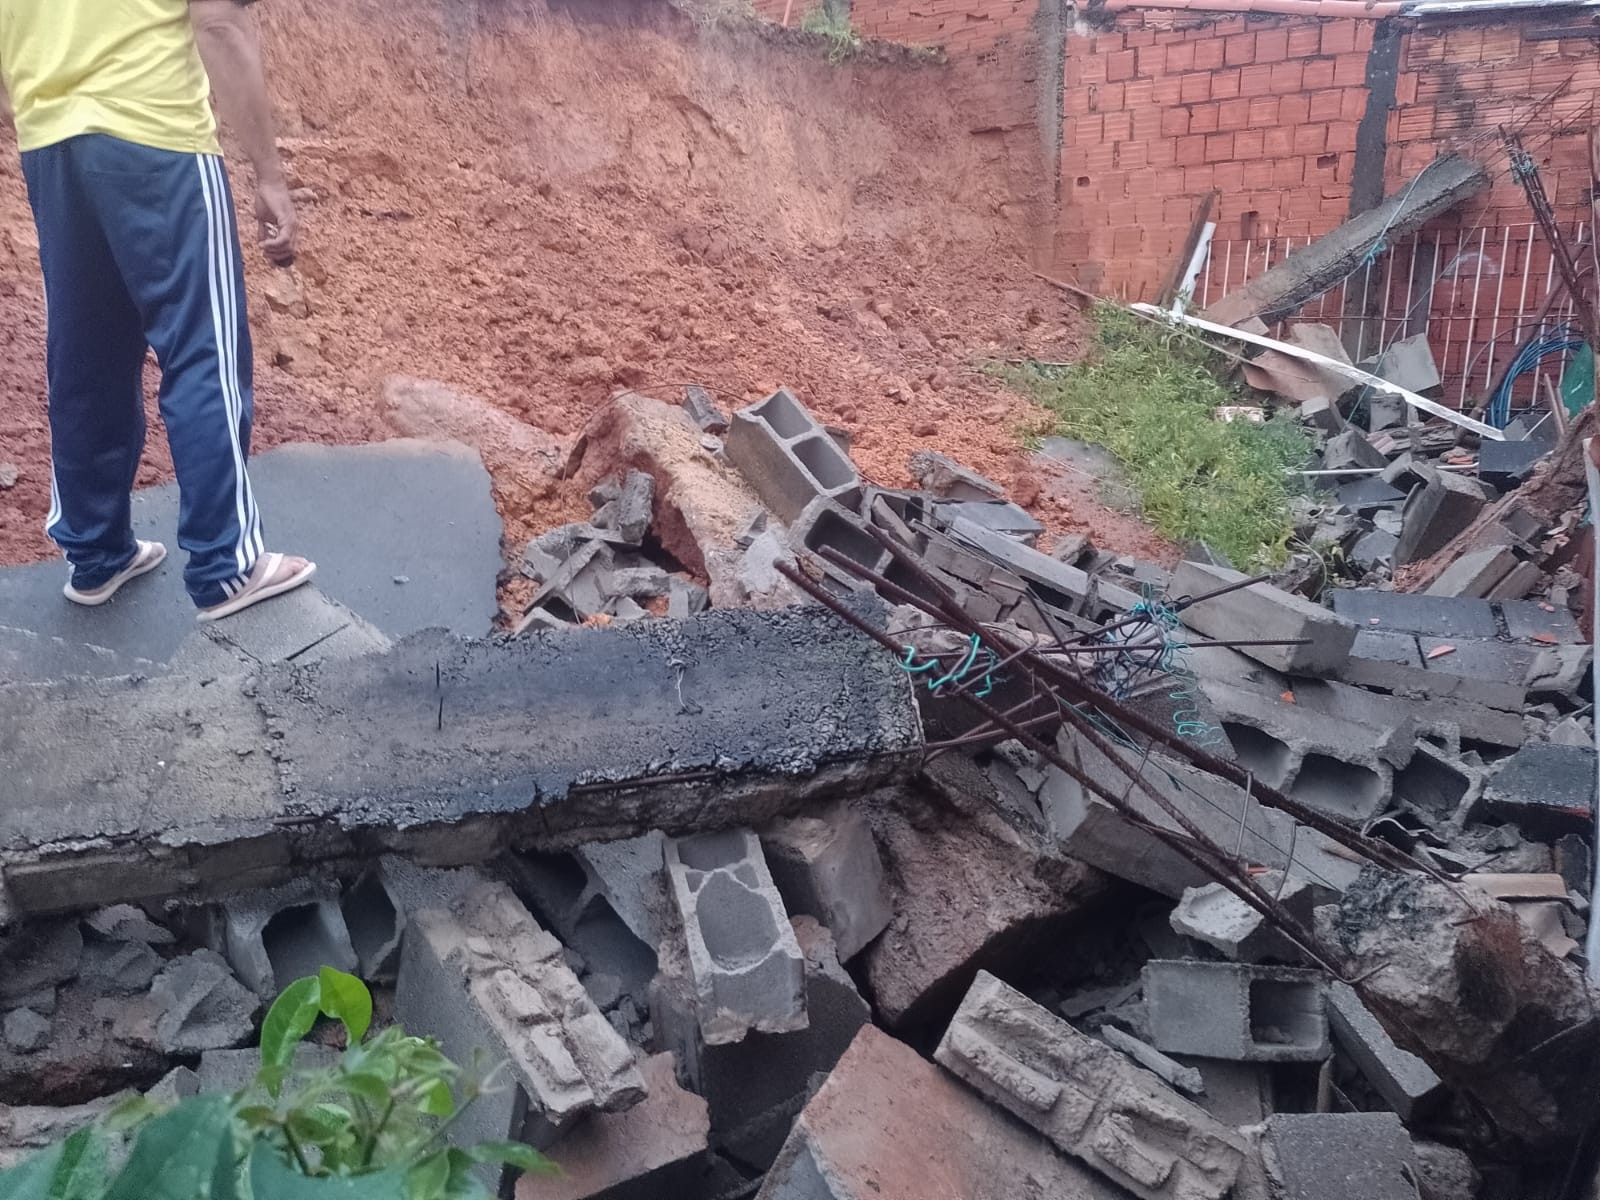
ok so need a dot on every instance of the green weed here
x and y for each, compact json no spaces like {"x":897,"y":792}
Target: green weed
{"x":844,"y":43}
{"x":1147,"y":394}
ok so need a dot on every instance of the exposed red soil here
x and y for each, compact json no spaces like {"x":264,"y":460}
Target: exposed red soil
{"x":541,"y":211}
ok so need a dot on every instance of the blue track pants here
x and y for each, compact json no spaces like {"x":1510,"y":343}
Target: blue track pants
{"x":139,"y":249}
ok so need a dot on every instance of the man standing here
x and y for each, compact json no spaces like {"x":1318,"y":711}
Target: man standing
{"x":138,"y":247}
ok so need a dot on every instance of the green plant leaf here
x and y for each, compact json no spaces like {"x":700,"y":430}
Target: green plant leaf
{"x":319,"y":1123}
{"x":374,"y":1089}
{"x":289,"y":1019}
{"x":186,"y":1154}
{"x":430,"y":1178}
{"x":436,"y":1099}
{"x":347,"y":1000}
{"x":272,"y":1177}
{"x":464,"y":1181}
{"x":130,"y":1114}
{"x":74,"y":1169}
{"x":513,"y":1154}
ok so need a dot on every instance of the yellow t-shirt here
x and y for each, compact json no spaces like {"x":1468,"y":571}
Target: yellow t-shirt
{"x":128,"y":68}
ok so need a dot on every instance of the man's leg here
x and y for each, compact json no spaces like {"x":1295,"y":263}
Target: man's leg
{"x":95,"y":361}
{"x":169,"y":219}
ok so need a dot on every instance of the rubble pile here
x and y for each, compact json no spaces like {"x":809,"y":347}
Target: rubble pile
{"x":1191,"y":886}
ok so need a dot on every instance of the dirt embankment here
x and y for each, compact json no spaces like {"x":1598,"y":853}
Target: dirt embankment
{"x":542,"y":208}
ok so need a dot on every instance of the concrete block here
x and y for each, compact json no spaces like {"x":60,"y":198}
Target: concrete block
{"x":1368,"y":494}
{"x":1408,"y":363}
{"x":686,"y":599}
{"x":1338,"y":766}
{"x":375,"y":922}
{"x":1087,"y":1099}
{"x":27,"y":1129}
{"x":1560,"y":671}
{"x":703,"y":411}
{"x":888,"y":1125}
{"x":824,"y":523}
{"x":235,"y":1070}
{"x":1527,"y":620}
{"x":1385,"y":412}
{"x":747,"y":968}
{"x":1215,"y":916}
{"x":1393,"y":662}
{"x":1474,"y":574}
{"x":756,"y":1087}
{"x":1522,"y":579}
{"x":827,"y":866}
{"x":948,"y":479}
{"x":1350,"y":449}
{"x":1055,"y":583}
{"x":1442,"y":507}
{"x":485,"y":976}
{"x":1506,"y":465}
{"x":200,"y":1006}
{"x":637,"y":582}
{"x":1373,"y":550}
{"x":789,"y":458}
{"x":25,"y":1030}
{"x":1339,"y":1156}
{"x":1321,"y":413}
{"x":654,"y":1149}
{"x":1001,"y":516}
{"x":630,"y":875}
{"x":1090,"y":830}
{"x":1406,"y":1083}
{"x":1235,"y":1011}
{"x":275,"y":936}
{"x":1437,"y":784}
{"x":635,"y":504}
{"x":1545,"y":789}
{"x":1409,"y":612}
{"x":1263,"y":611}
{"x":40,"y":955}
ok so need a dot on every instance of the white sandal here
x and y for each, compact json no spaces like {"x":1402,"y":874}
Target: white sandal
{"x":146,"y":558}
{"x":263,"y":584}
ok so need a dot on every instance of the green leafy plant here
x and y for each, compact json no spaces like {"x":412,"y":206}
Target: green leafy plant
{"x":373,"y":1126}
{"x":1148,"y":394}
{"x":844,"y":43}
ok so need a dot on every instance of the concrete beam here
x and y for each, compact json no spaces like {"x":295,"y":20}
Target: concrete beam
{"x":1438,"y":188}
{"x":444,"y":749}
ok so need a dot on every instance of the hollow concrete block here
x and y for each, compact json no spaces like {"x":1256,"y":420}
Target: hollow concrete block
{"x":1337,"y":1156}
{"x":827,"y":866}
{"x":1236,"y":1011}
{"x":273,"y":936}
{"x":1088,"y":1100}
{"x":1215,"y":916}
{"x":482,"y":975}
{"x":1262,"y":611}
{"x":748,"y":971}
{"x":788,"y":456}
{"x":1406,"y":1083}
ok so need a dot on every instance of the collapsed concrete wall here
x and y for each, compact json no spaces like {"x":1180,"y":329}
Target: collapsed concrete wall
{"x":445,"y":749}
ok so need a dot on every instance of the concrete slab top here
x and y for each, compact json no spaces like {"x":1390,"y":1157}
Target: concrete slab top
{"x":367,"y":515}
{"x":452,"y":746}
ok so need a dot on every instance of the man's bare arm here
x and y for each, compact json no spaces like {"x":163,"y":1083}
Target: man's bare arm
{"x":232,"y":58}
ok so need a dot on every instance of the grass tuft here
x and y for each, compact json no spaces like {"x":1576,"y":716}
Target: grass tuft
{"x":844,"y":43}
{"x":1147,"y":394}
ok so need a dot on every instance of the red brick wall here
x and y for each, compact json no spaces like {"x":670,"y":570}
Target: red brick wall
{"x":1167,"y":106}
{"x":1163,"y":109}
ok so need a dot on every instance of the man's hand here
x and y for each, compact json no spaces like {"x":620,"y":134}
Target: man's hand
{"x":228,"y":47}
{"x":278,"y":223}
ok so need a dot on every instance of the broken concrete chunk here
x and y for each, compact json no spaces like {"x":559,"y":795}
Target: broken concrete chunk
{"x":1185,"y":1079}
{"x":1545,"y":789}
{"x":26,"y":1031}
{"x":1228,"y":1010}
{"x":1350,"y":450}
{"x":888,"y":1125}
{"x":1087,"y":1099}
{"x":685,"y":599}
{"x":703,"y":411}
{"x":1406,"y":1083}
{"x":275,"y":936}
{"x":637,"y":582}
{"x":1408,"y":363}
{"x":120,"y":968}
{"x":653,"y":1148}
{"x":948,"y":479}
{"x":201,"y":1006}
{"x":1507,"y":464}
{"x":827,"y":866}
{"x":25,"y":1129}
{"x":1319,"y":412}
{"x":1435,"y":512}
{"x":41,"y":955}
{"x":1262,"y":611}
{"x":1445,"y":1173}
{"x":747,"y":968}
{"x":634,"y":506}
{"x":125,"y":923}
{"x":1220,"y":919}
{"x":485,"y":975}
{"x":1425,"y":970}
{"x":1338,"y":1156}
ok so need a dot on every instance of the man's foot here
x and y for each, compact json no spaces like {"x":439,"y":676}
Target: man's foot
{"x":274,"y":575}
{"x":147,"y":556}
